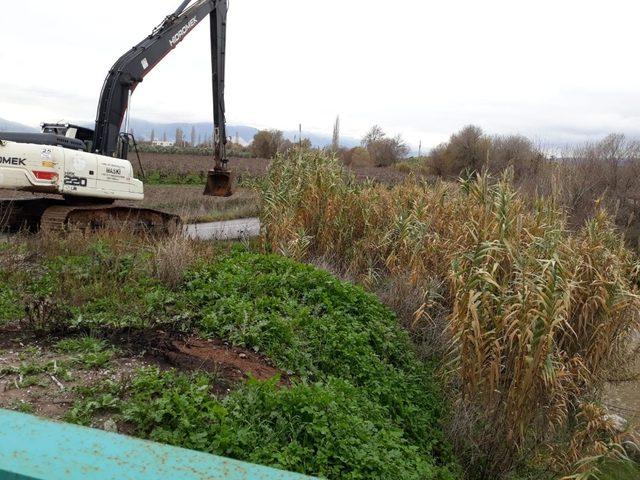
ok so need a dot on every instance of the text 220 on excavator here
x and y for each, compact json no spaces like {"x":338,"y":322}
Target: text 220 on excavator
{"x":89,"y":168}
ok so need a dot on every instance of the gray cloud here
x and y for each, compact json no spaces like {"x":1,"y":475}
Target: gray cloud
{"x":423,"y":69}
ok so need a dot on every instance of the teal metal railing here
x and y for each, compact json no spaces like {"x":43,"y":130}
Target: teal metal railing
{"x":37,"y":449}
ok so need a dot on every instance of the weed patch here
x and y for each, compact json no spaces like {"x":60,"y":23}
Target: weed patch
{"x":360,"y":405}
{"x":88,"y":352}
{"x":94,"y":287}
{"x":10,"y":305}
{"x":332,"y":429}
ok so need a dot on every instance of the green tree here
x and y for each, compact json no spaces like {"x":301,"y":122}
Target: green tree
{"x":267,"y":143}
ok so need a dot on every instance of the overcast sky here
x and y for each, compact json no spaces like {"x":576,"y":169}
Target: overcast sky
{"x":555,"y":70}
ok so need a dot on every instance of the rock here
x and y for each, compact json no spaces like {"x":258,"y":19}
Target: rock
{"x":243,"y":355}
{"x":110,"y":426}
{"x":618,"y":423}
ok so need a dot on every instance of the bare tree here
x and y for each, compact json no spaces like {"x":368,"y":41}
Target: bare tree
{"x":516,"y":152}
{"x":153,"y":135}
{"x":468,"y":150}
{"x":384,"y":151}
{"x":375,"y":134}
{"x":193,"y":135}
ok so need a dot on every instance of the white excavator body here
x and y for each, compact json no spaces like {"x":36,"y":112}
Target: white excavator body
{"x":72,"y":173}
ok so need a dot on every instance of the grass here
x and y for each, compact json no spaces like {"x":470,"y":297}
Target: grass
{"x":34,"y":372}
{"x":360,"y":404}
{"x":88,"y":352}
{"x":10,"y":308}
{"x":533,"y":316}
{"x":188,"y":202}
{"x":22,"y":407}
{"x":100,"y":287}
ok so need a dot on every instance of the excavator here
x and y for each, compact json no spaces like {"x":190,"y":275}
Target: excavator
{"x":84,"y":171}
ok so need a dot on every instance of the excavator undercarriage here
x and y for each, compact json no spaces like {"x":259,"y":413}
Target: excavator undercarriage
{"x":57,"y":215}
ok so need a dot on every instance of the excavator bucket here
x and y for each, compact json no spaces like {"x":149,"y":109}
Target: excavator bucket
{"x":220,"y":183}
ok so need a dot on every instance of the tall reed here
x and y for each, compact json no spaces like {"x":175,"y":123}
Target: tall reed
{"x":535,"y":315}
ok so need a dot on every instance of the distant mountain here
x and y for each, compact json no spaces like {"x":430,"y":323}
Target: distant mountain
{"x":7,"y":126}
{"x":320,"y":140}
{"x":203,"y":130}
{"x":143,"y":128}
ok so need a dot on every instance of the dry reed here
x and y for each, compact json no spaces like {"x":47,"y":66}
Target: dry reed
{"x":536,"y":315}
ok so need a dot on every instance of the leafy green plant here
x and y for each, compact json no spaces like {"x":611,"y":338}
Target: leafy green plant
{"x":333,"y":430}
{"x":35,"y":372}
{"x":11,"y":308}
{"x":89,"y":352}
{"x":361,"y":404}
{"x":101,"y":287}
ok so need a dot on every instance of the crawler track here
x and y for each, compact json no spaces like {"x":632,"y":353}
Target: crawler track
{"x":54,"y":215}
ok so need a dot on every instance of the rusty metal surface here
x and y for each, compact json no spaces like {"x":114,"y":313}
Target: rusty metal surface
{"x":34,"y":448}
{"x":220,"y":183}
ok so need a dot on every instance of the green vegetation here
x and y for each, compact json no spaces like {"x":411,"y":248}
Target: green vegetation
{"x":174,"y":178}
{"x":360,"y":403}
{"x":23,"y":407}
{"x":616,"y":470}
{"x":10,"y":308}
{"x":35,"y":372}
{"x":331,"y":429}
{"x":361,"y":406}
{"x":98,"y":287}
{"x":320,"y":329}
{"x":89,"y":352}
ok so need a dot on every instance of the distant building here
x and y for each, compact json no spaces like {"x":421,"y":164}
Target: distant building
{"x":162,"y":143}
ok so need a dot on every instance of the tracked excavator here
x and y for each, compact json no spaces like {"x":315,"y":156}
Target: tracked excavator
{"x":87,"y":170}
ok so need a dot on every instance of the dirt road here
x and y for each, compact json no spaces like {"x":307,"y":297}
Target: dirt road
{"x":228,"y":230}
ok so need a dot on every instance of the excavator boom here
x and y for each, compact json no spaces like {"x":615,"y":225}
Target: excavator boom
{"x":130,"y":69}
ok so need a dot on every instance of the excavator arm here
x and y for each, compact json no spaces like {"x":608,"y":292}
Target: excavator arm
{"x":133,"y":66}
{"x":36,"y":162}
